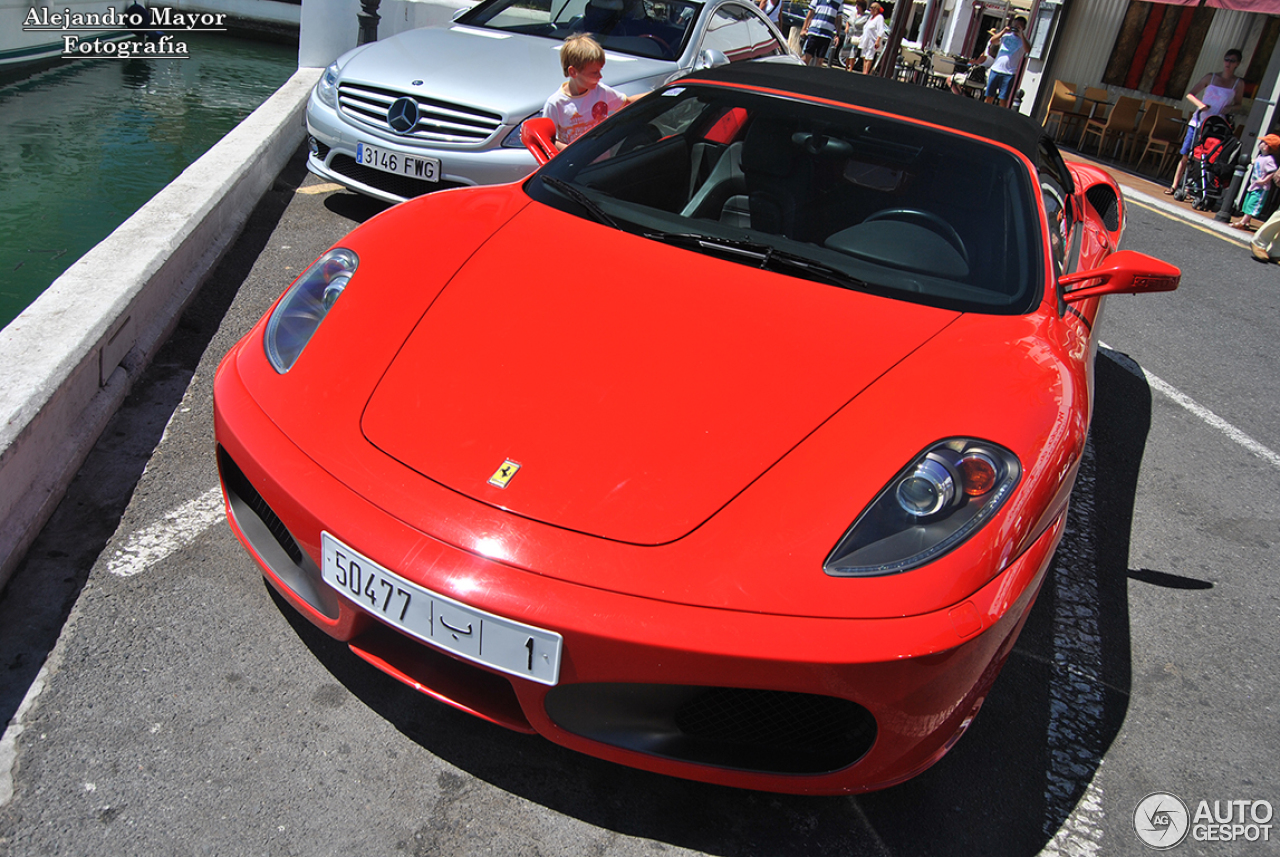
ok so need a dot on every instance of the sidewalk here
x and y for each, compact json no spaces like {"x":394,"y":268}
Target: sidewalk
{"x":1142,"y":188}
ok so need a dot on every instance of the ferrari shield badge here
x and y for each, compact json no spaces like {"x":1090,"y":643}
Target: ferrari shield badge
{"x":502,"y":476}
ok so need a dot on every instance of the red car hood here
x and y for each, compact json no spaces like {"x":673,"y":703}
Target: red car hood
{"x":638,"y":386}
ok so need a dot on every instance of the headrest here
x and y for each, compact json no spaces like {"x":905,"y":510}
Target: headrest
{"x":767,"y":147}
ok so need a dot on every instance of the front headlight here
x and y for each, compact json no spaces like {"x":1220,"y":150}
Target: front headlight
{"x":512,"y":140}
{"x":327,"y":87}
{"x":940,"y":499}
{"x":305,"y":305}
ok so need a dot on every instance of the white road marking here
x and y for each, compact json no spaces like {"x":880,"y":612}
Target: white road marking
{"x":178,"y":528}
{"x":175,"y":530}
{"x":1074,"y":809}
{"x":1203,"y":413}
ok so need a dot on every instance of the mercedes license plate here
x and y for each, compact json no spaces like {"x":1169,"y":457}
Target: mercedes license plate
{"x":426,"y":169}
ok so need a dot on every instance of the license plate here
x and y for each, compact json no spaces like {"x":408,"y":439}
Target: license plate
{"x":505,"y":645}
{"x":427,"y":169}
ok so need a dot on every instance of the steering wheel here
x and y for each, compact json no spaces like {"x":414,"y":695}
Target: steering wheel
{"x":927,"y":219}
{"x":666,"y":48}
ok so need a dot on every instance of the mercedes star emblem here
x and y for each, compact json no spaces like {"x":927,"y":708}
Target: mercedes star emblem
{"x":402,"y":115}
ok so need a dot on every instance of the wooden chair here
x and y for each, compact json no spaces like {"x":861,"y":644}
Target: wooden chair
{"x":1121,"y":120}
{"x":1150,"y":112}
{"x":943,"y":68}
{"x":1064,"y":107}
{"x":1165,"y":138}
{"x":909,"y":65}
{"x":1096,"y":102}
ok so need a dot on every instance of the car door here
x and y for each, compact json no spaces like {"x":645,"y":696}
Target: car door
{"x":1075,"y":246}
{"x":741,"y":32}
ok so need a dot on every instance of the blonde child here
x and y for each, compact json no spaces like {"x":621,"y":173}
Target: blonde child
{"x":1260,"y":179}
{"x":582,"y":102}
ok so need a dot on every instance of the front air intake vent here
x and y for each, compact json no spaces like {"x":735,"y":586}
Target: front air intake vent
{"x":1104,"y":201}
{"x":769,"y":731}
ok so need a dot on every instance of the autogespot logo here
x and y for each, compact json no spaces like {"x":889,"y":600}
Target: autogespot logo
{"x":1161,"y":820}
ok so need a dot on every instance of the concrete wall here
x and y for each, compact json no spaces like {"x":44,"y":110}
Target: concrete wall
{"x":71,"y":357}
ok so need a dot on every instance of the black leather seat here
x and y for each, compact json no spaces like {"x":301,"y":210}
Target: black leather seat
{"x":778,"y":176}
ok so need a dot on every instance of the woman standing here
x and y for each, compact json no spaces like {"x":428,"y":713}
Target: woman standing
{"x":1213,"y":95}
{"x":872,"y":37}
{"x":855,"y":22}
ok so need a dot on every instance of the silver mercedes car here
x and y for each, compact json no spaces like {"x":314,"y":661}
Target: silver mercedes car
{"x":442,"y":107}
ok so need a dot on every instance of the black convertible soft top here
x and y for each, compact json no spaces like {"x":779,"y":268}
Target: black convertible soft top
{"x":922,"y":103}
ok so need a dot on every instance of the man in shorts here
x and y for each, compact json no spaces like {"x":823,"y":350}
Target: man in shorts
{"x":819,"y":29}
{"x":1013,"y":47}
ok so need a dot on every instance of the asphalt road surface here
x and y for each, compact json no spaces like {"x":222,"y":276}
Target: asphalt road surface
{"x":163,"y":702}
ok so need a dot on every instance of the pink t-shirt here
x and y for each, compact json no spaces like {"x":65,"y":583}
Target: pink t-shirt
{"x":576,"y":115}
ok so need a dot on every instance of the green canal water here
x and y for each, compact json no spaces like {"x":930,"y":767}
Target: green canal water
{"x":85,"y":144}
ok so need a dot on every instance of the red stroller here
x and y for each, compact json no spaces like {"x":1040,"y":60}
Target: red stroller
{"x":1212,"y":162}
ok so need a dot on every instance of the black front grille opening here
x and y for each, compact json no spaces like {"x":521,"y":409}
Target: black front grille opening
{"x":272,"y":541}
{"x":401,"y":186}
{"x":441,"y":676}
{"x":766,"y":731}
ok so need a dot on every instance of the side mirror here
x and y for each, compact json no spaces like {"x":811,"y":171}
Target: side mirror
{"x":1125,"y":272}
{"x":710,"y":58}
{"x":458,"y":13}
{"x":539,"y":137}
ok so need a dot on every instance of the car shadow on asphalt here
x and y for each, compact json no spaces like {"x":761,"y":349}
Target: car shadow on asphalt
{"x":353,"y":206}
{"x":1009,"y":785}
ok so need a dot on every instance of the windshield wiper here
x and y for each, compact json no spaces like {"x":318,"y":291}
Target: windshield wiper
{"x":577,"y":195}
{"x":768,"y":256}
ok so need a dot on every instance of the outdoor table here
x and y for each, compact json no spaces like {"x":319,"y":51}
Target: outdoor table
{"x":1093,"y":102}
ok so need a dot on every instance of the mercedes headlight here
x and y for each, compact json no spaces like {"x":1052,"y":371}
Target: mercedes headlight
{"x":305,"y":305}
{"x":936,"y":502}
{"x":512,"y":140}
{"x":327,"y":87}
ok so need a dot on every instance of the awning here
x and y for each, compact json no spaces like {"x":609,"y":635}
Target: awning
{"x":1262,"y":7}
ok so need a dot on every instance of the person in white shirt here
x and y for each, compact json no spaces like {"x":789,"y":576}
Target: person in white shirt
{"x":855,"y":20}
{"x":1013,"y":47}
{"x":582,"y":102}
{"x":872,"y":37}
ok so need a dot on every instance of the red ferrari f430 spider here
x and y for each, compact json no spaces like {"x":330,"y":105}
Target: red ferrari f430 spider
{"x":732,"y":444}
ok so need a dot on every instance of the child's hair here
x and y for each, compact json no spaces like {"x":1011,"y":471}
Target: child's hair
{"x":580,"y":51}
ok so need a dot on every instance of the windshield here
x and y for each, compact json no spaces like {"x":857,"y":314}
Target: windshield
{"x":859,"y":200}
{"x":647,"y":28}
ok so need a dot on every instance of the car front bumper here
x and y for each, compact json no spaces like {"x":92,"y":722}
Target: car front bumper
{"x":778,"y":703}
{"x":333,"y":156}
